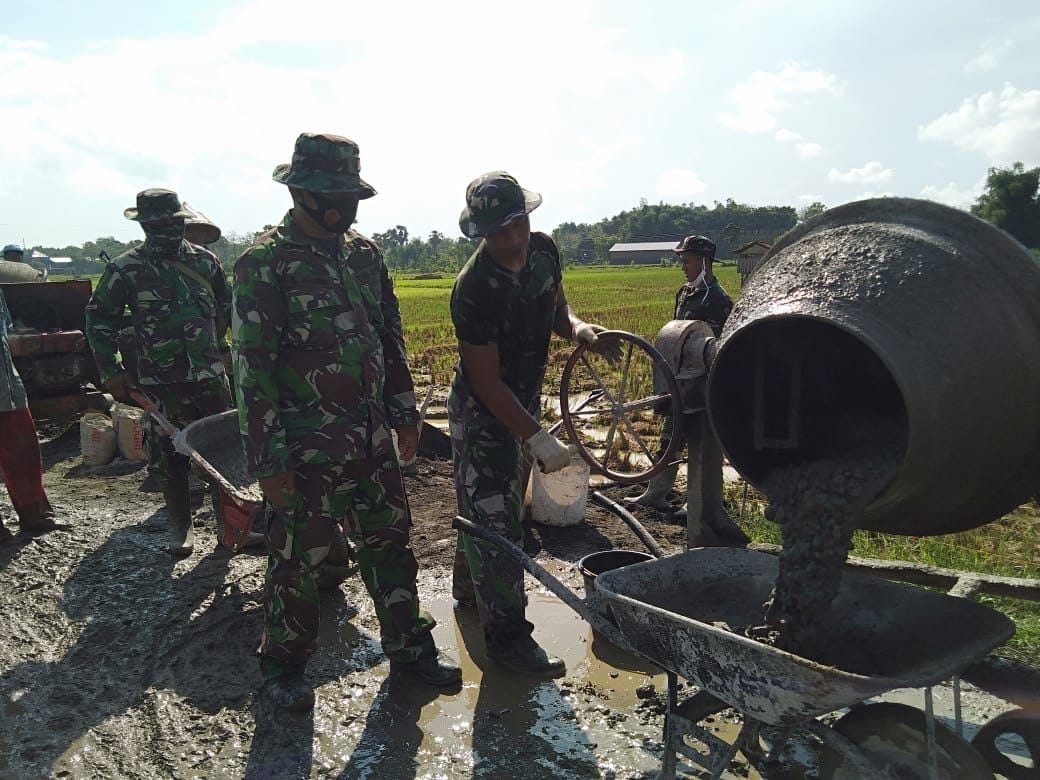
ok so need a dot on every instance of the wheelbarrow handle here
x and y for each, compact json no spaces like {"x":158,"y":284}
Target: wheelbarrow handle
{"x":561,"y":591}
{"x":151,"y":406}
{"x":630,"y":520}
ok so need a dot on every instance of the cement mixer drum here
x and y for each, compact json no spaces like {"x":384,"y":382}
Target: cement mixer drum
{"x":906,"y":310}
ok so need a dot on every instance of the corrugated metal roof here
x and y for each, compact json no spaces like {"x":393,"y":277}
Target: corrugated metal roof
{"x":656,"y":246}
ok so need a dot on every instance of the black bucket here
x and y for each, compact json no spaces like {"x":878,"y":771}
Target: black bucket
{"x":598,"y":563}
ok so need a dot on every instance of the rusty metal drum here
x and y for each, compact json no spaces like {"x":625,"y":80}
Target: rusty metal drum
{"x":913,"y":312}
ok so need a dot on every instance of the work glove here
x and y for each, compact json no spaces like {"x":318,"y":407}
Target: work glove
{"x":587,"y":333}
{"x":551,"y":454}
{"x":119,"y":387}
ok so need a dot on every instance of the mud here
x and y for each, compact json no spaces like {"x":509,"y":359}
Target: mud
{"x":118,"y":661}
{"x":819,"y":505}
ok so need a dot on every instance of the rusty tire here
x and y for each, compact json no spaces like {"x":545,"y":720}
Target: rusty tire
{"x":622,"y":478}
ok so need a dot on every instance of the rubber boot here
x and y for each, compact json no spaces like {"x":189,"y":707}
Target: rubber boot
{"x":5,"y":535}
{"x":178,"y":513}
{"x":290,"y":692}
{"x":656,"y":494}
{"x":525,"y":656}
{"x":432,"y":667}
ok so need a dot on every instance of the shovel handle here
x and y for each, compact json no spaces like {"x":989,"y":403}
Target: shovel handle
{"x":561,"y":591}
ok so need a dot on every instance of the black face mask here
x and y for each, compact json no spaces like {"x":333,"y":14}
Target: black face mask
{"x":334,"y":214}
{"x":164,"y":240}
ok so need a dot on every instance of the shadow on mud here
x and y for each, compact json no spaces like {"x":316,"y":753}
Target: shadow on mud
{"x":144,"y":628}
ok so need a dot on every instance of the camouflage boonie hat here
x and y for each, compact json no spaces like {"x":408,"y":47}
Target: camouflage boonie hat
{"x":324,"y":163}
{"x":155,"y":203}
{"x":702,"y":245}
{"x":493,"y":201}
{"x":204,"y":227}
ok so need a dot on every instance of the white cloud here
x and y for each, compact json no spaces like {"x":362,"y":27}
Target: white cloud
{"x":1004,"y":126}
{"x":872,"y":172}
{"x":211,"y":114}
{"x":768,"y":93}
{"x":989,"y":57}
{"x":679,"y":183}
{"x":783,"y":135}
{"x":953,"y":195}
{"x":809,"y":149}
{"x":810,"y":198}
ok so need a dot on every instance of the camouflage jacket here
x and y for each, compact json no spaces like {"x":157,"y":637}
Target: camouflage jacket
{"x":709,"y":304}
{"x":514,"y":310}
{"x":12,"y":391}
{"x":175,"y":316}
{"x":320,"y":363}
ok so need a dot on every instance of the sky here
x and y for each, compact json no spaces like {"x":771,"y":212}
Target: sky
{"x":596,"y":105}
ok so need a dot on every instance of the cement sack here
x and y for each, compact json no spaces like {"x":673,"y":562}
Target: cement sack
{"x":129,"y":424}
{"x":97,"y":439}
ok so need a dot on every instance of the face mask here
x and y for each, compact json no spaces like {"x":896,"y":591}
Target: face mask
{"x":333,"y":214}
{"x":164,"y":240}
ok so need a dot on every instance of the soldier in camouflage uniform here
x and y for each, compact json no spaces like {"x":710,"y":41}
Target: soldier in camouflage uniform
{"x":322,"y":375}
{"x":505,"y":305}
{"x":178,"y":298}
{"x":700,"y":298}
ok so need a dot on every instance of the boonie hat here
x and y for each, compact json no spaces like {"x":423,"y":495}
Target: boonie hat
{"x":324,"y":163}
{"x":154,"y":204}
{"x":493,"y":201}
{"x":206,"y":228}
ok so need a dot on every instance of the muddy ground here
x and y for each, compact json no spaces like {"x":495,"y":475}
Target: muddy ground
{"x":118,"y":661}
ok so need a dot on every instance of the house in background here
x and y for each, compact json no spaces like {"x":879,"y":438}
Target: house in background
{"x":749,"y":257}
{"x":651,"y":253}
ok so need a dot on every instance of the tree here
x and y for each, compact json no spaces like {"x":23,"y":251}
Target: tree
{"x":1010,"y":202}
{"x":814,"y":209}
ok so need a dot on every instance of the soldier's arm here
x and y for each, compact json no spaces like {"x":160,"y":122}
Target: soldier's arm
{"x":481,"y":365}
{"x":398,"y":389}
{"x":104,"y":315}
{"x":257,"y":319}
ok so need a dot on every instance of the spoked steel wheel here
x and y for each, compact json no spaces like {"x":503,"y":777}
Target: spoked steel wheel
{"x":608,"y":409}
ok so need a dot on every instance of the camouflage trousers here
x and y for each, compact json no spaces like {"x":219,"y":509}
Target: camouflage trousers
{"x":489,"y":472}
{"x":369,"y":496}
{"x":181,"y":403}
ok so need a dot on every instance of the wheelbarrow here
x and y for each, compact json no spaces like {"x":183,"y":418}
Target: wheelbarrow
{"x":215,"y":445}
{"x":686,"y":614}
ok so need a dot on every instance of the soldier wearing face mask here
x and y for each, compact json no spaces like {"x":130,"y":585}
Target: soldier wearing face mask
{"x":176,"y":293}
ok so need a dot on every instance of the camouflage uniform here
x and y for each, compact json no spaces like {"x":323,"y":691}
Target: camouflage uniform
{"x":321,"y":372}
{"x":515,"y":311}
{"x":710,"y":304}
{"x":175,"y":320}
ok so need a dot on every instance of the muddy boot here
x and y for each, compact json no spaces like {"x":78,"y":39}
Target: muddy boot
{"x":5,"y":535}
{"x":289,"y":692}
{"x":151,"y":484}
{"x":461,"y":581}
{"x":726,"y":528}
{"x":433,"y":667}
{"x":524,"y":656}
{"x":178,"y":513}
{"x":656,"y":494}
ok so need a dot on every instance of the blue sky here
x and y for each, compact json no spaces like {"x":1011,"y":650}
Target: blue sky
{"x":593,"y":104}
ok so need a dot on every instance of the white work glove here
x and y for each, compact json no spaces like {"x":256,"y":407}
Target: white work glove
{"x":587,"y":333}
{"x":550,"y":452}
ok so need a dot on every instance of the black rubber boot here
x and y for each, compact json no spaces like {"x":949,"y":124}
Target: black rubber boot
{"x":178,"y":513}
{"x":525,"y":656}
{"x":5,"y":535}
{"x":289,"y":692}
{"x":37,"y":519}
{"x":432,"y":668}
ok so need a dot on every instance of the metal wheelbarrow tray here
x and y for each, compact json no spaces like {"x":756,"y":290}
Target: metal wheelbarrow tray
{"x":882,"y":635}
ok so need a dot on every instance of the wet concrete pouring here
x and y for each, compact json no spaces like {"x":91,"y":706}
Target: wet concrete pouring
{"x":117,"y":660}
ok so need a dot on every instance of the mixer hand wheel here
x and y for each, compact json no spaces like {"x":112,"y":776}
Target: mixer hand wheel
{"x":606,"y":389}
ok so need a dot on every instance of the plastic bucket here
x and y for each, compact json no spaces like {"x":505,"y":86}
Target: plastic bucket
{"x":560,"y":498}
{"x":598,"y":563}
